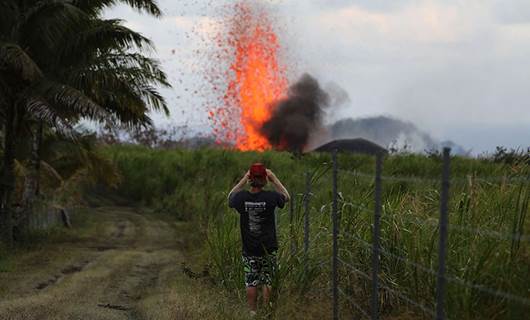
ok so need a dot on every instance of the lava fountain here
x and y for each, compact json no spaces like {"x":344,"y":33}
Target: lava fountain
{"x":256,"y":80}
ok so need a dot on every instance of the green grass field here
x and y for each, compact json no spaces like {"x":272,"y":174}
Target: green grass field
{"x":487,"y":259}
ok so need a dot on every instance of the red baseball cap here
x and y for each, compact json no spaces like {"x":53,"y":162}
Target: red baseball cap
{"x":258,"y":170}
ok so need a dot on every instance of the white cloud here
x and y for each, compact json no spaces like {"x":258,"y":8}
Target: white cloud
{"x":429,"y":23}
{"x":512,"y":11}
{"x":371,"y":5}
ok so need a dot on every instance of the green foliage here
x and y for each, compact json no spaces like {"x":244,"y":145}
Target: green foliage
{"x":67,"y":168}
{"x":485,"y":213}
{"x":61,"y":62}
{"x":512,"y":156}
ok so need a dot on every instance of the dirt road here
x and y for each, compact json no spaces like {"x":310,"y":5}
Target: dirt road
{"x":125,"y":260}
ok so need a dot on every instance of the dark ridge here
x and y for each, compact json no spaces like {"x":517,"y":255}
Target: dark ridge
{"x":352,"y":145}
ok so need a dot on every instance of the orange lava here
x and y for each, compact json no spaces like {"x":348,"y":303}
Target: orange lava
{"x":256,"y":81}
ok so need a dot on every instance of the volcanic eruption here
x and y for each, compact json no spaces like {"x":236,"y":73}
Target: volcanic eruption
{"x":258,"y":110}
{"x":256,"y":79}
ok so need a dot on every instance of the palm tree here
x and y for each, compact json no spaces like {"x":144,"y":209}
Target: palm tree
{"x":60,"y":63}
{"x":98,"y":61}
{"x":21,"y":78}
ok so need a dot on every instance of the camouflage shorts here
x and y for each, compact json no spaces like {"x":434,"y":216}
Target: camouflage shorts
{"x":259,"y":270}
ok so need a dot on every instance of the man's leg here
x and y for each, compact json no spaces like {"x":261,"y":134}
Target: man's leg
{"x":252,"y":296}
{"x":267,"y":275}
{"x":251,"y":282}
{"x":266,"y":294}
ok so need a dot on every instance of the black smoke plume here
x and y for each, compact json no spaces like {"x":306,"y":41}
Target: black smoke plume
{"x":297,"y":116}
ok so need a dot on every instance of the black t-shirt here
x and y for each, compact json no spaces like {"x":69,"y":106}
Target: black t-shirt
{"x":257,"y":220}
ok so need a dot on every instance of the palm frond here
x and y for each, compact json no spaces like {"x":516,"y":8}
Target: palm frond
{"x":127,"y":96}
{"x":102,"y":36}
{"x":128,"y":108}
{"x":117,"y":73}
{"x":59,"y":106}
{"x":17,"y":62}
{"x":68,"y":157}
{"x":149,"y":6}
{"x":153,"y":99}
{"x":51,"y":171}
{"x":40,"y":109}
{"x":8,"y":15}
{"x":134,"y":66}
{"x":44,"y":25}
{"x":96,"y":6}
{"x":69,"y":102}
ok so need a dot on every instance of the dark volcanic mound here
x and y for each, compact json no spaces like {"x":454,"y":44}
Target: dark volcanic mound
{"x":353,"y":146}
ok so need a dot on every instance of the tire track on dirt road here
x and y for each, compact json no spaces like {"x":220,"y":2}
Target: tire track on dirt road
{"x":106,"y":277}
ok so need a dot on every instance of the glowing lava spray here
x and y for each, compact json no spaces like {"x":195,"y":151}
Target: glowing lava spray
{"x":256,"y":80}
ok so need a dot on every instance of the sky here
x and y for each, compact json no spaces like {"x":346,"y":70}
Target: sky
{"x":458,"y":69}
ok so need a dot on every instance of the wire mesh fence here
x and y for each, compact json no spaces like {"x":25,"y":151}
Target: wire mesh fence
{"x":411,"y":259}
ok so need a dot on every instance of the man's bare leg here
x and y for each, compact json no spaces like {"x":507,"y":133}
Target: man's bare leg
{"x":252,"y":297}
{"x":266,"y":295}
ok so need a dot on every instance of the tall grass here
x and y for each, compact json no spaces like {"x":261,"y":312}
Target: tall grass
{"x":193,"y":185}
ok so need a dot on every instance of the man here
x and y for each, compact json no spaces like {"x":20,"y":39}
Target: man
{"x":258,"y":228}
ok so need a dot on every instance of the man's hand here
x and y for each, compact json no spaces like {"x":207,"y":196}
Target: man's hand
{"x":277,"y":184}
{"x":241,"y":184}
{"x":271,"y":176}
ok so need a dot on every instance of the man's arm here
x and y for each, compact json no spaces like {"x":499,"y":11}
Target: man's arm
{"x":240,"y":185}
{"x":278,"y":186}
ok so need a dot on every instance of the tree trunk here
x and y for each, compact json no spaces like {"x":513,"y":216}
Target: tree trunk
{"x":7,"y":184}
{"x":32,"y":181}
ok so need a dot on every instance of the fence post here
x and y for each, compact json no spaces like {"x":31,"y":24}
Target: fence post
{"x":306,"y":211}
{"x":376,"y":236}
{"x":291,"y":227}
{"x":442,"y":246}
{"x":335,"y":275}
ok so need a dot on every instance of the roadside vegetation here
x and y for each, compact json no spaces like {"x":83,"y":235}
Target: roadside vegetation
{"x":489,"y":205}
{"x":61,"y":63}
{"x":489,"y":202}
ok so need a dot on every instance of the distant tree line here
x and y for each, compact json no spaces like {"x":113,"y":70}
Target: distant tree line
{"x":62,"y":62}
{"x":511,"y":156}
{"x":158,"y":138}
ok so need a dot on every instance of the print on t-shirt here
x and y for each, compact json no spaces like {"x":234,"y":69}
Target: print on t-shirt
{"x":257,"y":220}
{"x":255,"y":217}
